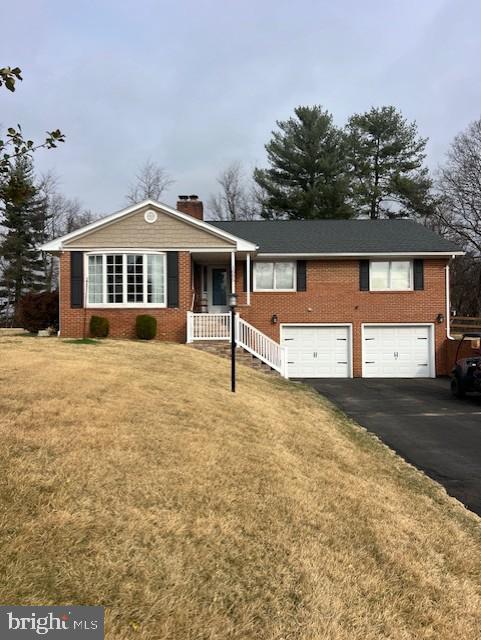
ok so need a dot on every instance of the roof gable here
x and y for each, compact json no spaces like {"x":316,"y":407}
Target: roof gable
{"x":128,"y":228}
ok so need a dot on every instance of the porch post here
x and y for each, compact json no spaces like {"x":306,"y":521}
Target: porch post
{"x":232,"y":272}
{"x":248,"y":278}
{"x":190,"y":328}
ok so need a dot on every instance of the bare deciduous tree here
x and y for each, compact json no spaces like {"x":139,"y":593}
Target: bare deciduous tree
{"x":63,"y":215}
{"x":466,"y":286}
{"x":458,"y":216}
{"x":151,"y":182}
{"x":235,"y":200}
{"x":460,"y":188}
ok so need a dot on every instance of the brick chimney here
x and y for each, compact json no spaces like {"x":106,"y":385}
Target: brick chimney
{"x":191,"y":205}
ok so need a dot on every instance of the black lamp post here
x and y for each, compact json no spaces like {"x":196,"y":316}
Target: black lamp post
{"x":232,"y":304}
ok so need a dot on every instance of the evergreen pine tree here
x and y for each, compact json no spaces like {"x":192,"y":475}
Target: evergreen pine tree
{"x":24,"y":223}
{"x":386,"y":158}
{"x":307,"y":177}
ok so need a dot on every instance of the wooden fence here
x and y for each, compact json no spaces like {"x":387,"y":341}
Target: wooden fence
{"x":465,"y":324}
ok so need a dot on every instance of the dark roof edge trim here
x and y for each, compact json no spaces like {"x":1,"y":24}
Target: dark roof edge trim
{"x":342,"y":254}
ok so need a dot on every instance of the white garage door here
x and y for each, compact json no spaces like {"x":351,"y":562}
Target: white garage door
{"x":397,"y":351}
{"x":317,"y":351}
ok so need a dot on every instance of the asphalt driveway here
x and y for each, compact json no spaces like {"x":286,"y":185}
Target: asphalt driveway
{"x":422,"y":422}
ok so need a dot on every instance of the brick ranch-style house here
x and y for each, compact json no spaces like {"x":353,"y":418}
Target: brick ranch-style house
{"x":315,"y":298}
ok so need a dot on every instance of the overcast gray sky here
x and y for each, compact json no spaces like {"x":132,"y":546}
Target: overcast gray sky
{"x":195,"y":85}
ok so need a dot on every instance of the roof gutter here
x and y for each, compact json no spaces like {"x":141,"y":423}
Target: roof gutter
{"x":365,"y":254}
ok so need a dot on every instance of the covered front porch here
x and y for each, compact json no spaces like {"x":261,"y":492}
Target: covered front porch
{"x":215,"y":276}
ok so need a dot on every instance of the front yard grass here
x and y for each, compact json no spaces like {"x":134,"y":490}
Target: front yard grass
{"x":131,"y":477}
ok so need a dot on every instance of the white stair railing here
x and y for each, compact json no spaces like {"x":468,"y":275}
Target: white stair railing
{"x":261,"y":346}
{"x":216,"y":326}
{"x":208,"y":326}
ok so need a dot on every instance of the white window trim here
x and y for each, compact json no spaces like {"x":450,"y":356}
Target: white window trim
{"x":411,"y":276}
{"x":123,"y":305}
{"x":274,"y":262}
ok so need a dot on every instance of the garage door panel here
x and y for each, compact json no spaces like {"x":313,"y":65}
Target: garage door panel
{"x":397,"y":351}
{"x":317,"y":351}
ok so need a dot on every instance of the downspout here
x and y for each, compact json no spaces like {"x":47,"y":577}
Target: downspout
{"x":448,"y":306}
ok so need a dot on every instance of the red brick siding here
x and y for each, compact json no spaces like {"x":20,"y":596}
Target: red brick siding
{"x":171,"y":323}
{"x":333,"y":295}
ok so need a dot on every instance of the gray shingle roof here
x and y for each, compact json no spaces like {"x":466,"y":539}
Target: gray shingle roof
{"x":338,"y":236}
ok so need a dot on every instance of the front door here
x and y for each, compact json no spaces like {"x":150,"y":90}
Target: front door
{"x":218,"y":281}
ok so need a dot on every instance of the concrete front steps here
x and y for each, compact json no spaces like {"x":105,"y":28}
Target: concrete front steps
{"x":222,"y":348}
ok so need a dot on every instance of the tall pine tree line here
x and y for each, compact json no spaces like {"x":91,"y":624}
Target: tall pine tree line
{"x":23,"y":225}
{"x":372,"y":167}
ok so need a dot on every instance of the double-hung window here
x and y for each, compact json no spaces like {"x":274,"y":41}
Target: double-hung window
{"x":126,"y":279}
{"x":275,"y":276}
{"x":391,"y":275}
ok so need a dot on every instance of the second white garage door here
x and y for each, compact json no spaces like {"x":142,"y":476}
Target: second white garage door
{"x":397,"y":351}
{"x":315,"y":351}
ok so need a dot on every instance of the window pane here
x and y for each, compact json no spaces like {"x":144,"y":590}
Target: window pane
{"x":135,"y":278}
{"x":95,"y":281}
{"x":379,"y":275}
{"x":155,"y":279}
{"x":114,"y":278}
{"x":400,"y":275}
{"x":284,"y":275}
{"x":264,"y":275}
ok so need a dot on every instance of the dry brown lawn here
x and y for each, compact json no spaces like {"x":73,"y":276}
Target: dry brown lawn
{"x":132,"y":478}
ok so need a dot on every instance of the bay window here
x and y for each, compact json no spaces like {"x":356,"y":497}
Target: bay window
{"x":275,"y":276}
{"x":126,"y":279}
{"x":391,"y":275}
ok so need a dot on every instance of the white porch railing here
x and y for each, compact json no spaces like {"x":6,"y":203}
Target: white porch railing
{"x":216,"y":326}
{"x":208,"y":326}
{"x":261,"y":346}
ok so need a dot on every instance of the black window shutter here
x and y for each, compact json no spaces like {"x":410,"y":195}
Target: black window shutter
{"x":418,"y":272}
{"x":76,"y":279}
{"x":172,"y":279}
{"x":301,"y":275}
{"x":364,"y":275}
{"x":244,"y":276}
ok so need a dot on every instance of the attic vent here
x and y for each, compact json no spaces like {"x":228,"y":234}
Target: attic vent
{"x":150,"y":216}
